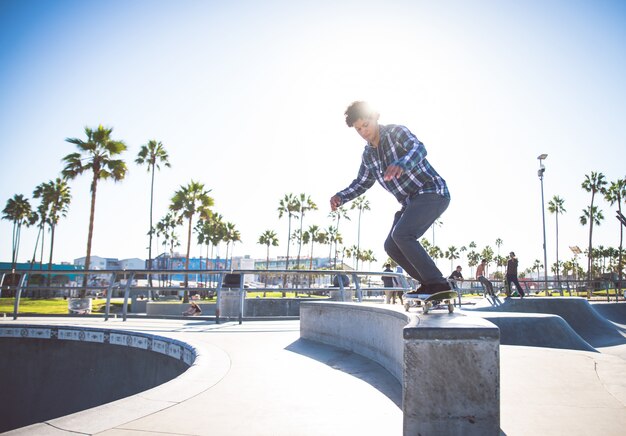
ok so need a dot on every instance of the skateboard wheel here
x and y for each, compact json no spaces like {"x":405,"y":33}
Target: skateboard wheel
{"x":450,"y":307}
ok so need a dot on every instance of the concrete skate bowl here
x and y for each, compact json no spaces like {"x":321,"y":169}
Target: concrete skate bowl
{"x":53,"y":371}
{"x":568,"y":323}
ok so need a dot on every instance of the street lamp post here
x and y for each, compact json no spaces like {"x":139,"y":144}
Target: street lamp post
{"x":542,"y":169}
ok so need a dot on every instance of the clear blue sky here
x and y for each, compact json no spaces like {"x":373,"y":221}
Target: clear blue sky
{"x":248,"y":98}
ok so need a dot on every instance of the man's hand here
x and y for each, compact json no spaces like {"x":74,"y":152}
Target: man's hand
{"x":335,"y":202}
{"x":393,"y":172}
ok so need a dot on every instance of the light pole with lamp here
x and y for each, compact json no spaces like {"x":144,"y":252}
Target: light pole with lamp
{"x":542,"y":169}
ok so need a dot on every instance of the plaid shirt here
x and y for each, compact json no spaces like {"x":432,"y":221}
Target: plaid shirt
{"x":398,"y":146}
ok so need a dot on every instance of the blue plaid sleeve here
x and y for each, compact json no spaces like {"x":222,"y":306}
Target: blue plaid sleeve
{"x":414,"y":148}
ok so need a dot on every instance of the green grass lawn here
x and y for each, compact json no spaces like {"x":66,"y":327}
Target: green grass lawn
{"x":53,"y":306}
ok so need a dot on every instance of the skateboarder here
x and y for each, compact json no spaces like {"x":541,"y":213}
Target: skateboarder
{"x":511,"y":276}
{"x":396,"y":159}
{"x":480,"y":275}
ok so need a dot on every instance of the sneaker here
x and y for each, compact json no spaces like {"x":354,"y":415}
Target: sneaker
{"x":439,"y":287}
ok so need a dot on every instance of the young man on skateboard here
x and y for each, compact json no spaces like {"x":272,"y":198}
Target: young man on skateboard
{"x":396,"y":159}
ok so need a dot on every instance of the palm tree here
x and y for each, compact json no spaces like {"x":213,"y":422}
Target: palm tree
{"x":337,"y":214}
{"x":452,"y":254}
{"x":361,"y":203}
{"x":313,"y":235}
{"x":498,"y":244}
{"x":152,"y":155}
{"x":616,"y":193}
{"x":304,"y":204}
{"x":186,"y":203}
{"x":473,"y":258}
{"x":42,"y":218}
{"x":18,"y":211}
{"x":288,"y":205}
{"x":487,"y":254}
{"x":333,"y":238}
{"x":594,"y":183}
{"x":166,"y":227}
{"x":268,"y":238}
{"x":593,"y":216}
{"x":95,"y":155}
{"x":537,"y":264}
{"x":232,"y":235}
{"x":56,"y":195}
{"x":556,"y":207}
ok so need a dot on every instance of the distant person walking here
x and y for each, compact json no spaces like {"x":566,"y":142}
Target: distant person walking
{"x":455,"y":276}
{"x":480,"y":275}
{"x":511,"y":276}
{"x":390,"y":282}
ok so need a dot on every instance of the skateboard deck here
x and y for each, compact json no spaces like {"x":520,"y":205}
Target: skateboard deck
{"x":443,"y":297}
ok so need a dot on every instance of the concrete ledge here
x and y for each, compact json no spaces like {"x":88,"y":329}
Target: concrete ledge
{"x":448,"y":364}
{"x":371,"y":331}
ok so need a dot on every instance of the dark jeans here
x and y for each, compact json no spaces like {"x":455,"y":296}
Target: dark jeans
{"x":486,"y":284}
{"x":409,"y":224}
{"x":513,"y":279}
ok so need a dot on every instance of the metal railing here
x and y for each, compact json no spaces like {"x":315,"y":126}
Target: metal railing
{"x":597,"y":289}
{"x":166,"y":283}
{"x":366,"y":285}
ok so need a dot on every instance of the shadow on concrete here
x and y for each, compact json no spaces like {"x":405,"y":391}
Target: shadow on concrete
{"x":351,"y":363}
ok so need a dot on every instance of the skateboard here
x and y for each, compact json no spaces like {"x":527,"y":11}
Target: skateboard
{"x":444,"y":297}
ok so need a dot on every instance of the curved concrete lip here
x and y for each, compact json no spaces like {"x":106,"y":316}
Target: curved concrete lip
{"x":571,"y":322}
{"x":209,"y":367}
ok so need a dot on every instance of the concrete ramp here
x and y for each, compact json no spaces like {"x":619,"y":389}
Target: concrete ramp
{"x":535,"y":330}
{"x":615,"y":312}
{"x":590,"y":325}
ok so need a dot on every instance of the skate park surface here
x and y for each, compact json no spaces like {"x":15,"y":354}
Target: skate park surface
{"x":563,"y":368}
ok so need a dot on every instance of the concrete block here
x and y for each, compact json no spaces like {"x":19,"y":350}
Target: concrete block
{"x":451,"y":381}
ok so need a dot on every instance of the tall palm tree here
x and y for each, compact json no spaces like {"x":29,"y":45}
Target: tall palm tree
{"x":556,"y":207}
{"x":268,"y":238}
{"x":152,"y":154}
{"x":288,"y":205}
{"x":305,"y":204}
{"x":487,"y":254}
{"x":313,"y":235}
{"x":333,"y":238}
{"x":166,"y":227}
{"x":57,"y":196}
{"x":188,"y":201}
{"x":232,"y":235}
{"x":537,"y":264}
{"x":337,"y":214}
{"x":361,"y":203}
{"x":452,"y":254}
{"x":593,"y":216}
{"x":97,"y":156}
{"x":42,"y":218}
{"x":594,"y":183}
{"x":616,"y":193}
{"x":18,"y":211}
